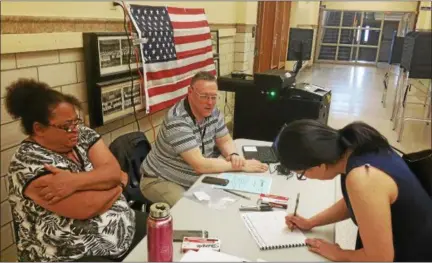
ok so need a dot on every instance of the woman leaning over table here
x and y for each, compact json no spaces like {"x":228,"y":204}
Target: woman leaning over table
{"x":380,"y":193}
{"x":65,"y":186}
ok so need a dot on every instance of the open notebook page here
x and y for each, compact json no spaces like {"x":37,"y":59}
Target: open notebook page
{"x":270,"y":231}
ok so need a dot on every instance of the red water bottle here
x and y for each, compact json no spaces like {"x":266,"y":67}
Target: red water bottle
{"x":160,"y":234}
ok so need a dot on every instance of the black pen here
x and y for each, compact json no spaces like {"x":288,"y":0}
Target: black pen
{"x":237,"y":194}
{"x":295,"y":209}
{"x":297,"y":202}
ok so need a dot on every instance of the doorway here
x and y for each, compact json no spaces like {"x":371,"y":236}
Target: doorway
{"x":271,"y":42}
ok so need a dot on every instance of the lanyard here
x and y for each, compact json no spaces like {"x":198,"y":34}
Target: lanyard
{"x":202,"y":137}
{"x":202,"y":133}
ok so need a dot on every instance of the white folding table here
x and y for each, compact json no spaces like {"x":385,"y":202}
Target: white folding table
{"x":227,"y":224}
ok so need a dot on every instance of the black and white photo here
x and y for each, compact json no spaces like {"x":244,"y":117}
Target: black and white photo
{"x":109,"y":53}
{"x":111,"y":101}
{"x":127,"y":96}
{"x":114,"y":55}
{"x":125,"y":52}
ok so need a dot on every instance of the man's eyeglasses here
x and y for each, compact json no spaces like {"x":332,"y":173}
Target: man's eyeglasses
{"x":68,"y":127}
{"x":205,"y":97}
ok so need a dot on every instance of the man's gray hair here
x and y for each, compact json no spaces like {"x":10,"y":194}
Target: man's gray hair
{"x":203,"y":75}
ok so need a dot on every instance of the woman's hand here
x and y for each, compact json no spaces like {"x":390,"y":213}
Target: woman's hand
{"x":254,"y":166}
{"x":57,"y":186}
{"x":328,"y":250}
{"x":298,"y":222}
{"x":237,"y":161}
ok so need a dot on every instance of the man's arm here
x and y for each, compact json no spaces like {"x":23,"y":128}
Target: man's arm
{"x":80,"y":205}
{"x":203,"y":165}
{"x":226,"y":145}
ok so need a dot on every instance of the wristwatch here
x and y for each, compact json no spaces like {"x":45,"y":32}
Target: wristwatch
{"x":229,"y":156}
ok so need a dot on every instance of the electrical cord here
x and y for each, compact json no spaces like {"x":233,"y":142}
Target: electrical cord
{"x":130,"y":68}
{"x":227,"y":105}
{"x":274,"y":170}
{"x":295,"y":65}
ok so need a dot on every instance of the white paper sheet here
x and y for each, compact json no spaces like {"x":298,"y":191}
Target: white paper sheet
{"x":202,"y":196}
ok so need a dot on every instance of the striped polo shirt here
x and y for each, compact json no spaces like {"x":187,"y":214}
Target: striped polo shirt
{"x":179,"y":133}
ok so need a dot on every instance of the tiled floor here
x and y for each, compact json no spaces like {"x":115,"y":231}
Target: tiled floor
{"x":356,"y":95}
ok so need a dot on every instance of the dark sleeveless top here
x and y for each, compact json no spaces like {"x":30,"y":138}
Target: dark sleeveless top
{"x":411,"y":213}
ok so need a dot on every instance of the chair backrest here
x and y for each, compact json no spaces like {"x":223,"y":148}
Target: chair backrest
{"x":130,"y":150}
{"x":420,"y":164}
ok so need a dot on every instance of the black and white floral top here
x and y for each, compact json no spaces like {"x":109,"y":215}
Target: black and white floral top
{"x":46,"y":236}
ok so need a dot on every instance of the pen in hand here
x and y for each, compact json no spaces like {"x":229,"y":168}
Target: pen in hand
{"x":296,"y":206}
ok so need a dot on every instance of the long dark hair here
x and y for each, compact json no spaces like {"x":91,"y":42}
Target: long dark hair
{"x":307,"y":143}
{"x":33,"y":101}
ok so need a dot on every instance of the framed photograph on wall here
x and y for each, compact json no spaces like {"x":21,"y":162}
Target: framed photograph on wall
{"x":110,"y":71}
{"x":116,"y":99}
{"x":113,"y":52}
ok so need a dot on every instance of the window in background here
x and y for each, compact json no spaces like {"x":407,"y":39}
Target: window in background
{"x":356,"y":36}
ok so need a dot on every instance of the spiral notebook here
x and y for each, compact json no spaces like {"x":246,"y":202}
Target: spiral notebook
{"x":270,"y":231}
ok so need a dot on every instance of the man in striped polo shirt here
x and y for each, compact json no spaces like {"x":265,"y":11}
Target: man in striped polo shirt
{"x":184,"y":148}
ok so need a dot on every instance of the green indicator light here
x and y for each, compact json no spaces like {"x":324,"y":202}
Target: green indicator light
{"x":272,"y":93}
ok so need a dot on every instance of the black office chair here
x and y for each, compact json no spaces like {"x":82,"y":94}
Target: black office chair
{"x":130,"y":151}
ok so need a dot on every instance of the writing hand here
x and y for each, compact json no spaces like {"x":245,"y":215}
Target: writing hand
{"x":56,"y":187}
{"x":324,"y":248}
{"x":298,"y":222}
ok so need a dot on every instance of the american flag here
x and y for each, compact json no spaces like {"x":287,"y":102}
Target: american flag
{"x":178,"y":46}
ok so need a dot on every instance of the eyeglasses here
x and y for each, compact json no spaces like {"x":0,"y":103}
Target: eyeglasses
{"x":301,"y":176}
{"x":205,"y":97}
{"x":70,"y":126}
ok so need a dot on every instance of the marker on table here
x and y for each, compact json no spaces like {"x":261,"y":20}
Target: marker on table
{"x":296,"y":206}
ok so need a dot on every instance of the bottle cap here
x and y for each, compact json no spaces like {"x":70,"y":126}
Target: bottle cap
{"x":159,"y":210}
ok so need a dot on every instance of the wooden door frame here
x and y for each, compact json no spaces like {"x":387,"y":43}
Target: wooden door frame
{"x":259,"y":40}
{"x":259,"y":29}
{"x":277,"y":28}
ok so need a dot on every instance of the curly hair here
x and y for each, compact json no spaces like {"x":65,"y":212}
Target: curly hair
{"x":33,"y":101}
